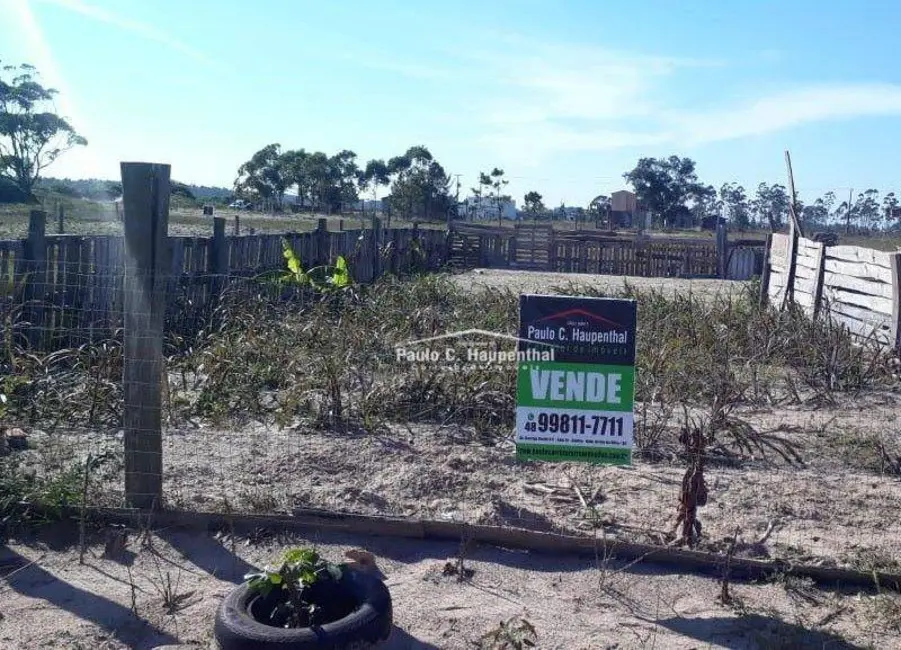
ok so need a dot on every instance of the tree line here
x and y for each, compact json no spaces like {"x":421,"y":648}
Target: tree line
{"x":419,"y":185}
{"x":670,"y":189}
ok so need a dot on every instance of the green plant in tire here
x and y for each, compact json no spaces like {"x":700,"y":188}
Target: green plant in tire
{"x":299,"y":570}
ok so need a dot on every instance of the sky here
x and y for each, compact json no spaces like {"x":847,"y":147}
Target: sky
{"x":564,"y":96}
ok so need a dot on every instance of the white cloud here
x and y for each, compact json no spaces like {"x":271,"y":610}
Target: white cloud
{"x":790,"y":108}
{"x":142,"y":29}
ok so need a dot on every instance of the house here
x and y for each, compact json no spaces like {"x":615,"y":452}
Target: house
{"x":486,"y":208}
{"x":626,"y":211}
{"x":710,"y":222}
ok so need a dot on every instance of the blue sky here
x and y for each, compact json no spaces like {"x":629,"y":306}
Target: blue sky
{"x":564,"y":96}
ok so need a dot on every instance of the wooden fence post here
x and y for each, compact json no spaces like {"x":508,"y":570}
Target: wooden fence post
{"x":61,"y":217}
{"x":145,"y":189}
{"x":376,"y":252}
{"x":818,"y":281}
{"x":896,"y":302}
{"x":793,"y":238}
{"x":765,"y":272}
{"x":218,"y":260}
{"x":237,"y":225}
{"x":323,"y":254}
{"x":722,"y":250}
{"x":35,"y":266}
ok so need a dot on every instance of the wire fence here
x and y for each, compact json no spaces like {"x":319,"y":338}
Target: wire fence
{"x":275,"y":399}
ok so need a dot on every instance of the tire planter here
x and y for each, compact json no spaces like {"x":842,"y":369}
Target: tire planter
{"x":361,"y":600}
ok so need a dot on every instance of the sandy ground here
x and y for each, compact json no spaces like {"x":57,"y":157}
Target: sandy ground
{"x":840,"y":508}
{"x":835,"y":509}
{"x":537,"y":282}
{"x":574,"y":604}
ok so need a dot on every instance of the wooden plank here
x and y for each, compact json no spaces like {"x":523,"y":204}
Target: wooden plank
{"x":876,"y":304}
{"x":860,"y":285}
{"x":863,"y":330}
{"x":805,"y":273}
{"x":895,"y":336}
{"x":858,"y":254}
{"x":862,"y":314}
{"x":857,"y":269}
{"x":765,"y":278}
{"x":779,"y":249}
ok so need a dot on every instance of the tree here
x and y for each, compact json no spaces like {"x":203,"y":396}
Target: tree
{"x":32,"y":136}
{"x":421,"y":187}
{"x":532,"y":203}
{"x":866,"y":209}
{"x":498,"y":182}
{"x":600,"y":207}
{"x":735,"y":200}
{"x":295,"y":168}
{"x":818,"y":213}
{"x":705,"y":202}
{"x":263,"y":177}
{"x":664,"y":186}
{"x":771,"y":204}
{"x":889,"y":209}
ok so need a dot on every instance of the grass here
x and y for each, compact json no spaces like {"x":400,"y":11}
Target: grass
{"x":308,"y":361}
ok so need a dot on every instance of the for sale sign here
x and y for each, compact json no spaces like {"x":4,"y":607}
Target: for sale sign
{"x":578,"y":406}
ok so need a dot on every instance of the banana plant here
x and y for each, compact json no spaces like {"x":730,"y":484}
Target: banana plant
{"x":324,"y":278}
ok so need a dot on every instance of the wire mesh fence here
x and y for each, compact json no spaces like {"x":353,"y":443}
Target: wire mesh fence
{"x":278,"y":399}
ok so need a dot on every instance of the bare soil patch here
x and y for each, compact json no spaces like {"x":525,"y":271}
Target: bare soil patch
{"x":539,"y":282}
{"x":574,"y":604}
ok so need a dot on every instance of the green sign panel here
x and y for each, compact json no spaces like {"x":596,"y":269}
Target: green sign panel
{"x":577,"y":405}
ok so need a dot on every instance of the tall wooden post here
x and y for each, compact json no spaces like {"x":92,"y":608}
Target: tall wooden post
{"x":237,"y":225}
{"x":376,"y":250}
{"x":145,"y":189}
{"x":61,"y":218}
{"x":35,"y":266}
{"x":218,"y":260}
{"x":722,"y":250}
{"x":322,"y":242}
{"x":765,"y":271}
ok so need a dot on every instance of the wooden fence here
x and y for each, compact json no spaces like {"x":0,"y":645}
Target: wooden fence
{"x":69,"y":288}
{"x":539,"y":247}
{"x":858,"y":287}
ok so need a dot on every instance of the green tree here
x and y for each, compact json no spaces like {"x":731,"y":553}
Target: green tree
{"x":420,"y":187}
{"x":295,"y":168}
{"x":735,"y":200}
{"x":889,"y":209}
{"x":374,"y":175}
{"x":32,"y":135}
{"x":263,"y":177}
{"x":533,"y":204}
{"x":664,"y":186}
{"x":771,"y":205}
{"x":817,"y":214}
{"x":866,"y":209}
{"x":498,"y":182}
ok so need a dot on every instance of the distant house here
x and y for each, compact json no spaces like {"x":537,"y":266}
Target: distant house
{"x":486,"y":209}
{"x":626,"y":211}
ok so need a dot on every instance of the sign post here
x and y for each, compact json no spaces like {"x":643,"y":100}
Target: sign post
{"x":579,"y":406}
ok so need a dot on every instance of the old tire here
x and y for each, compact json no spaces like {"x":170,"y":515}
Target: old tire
{"x":366,"y":627}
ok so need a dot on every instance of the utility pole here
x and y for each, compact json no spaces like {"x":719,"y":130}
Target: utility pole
{"x":457,"y":195}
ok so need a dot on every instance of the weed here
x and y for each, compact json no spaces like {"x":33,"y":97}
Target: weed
{"x":299,"y":570}
{"x":515,"y":633}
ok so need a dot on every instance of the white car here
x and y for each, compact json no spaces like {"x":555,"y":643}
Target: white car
{"x":240,"y":204}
